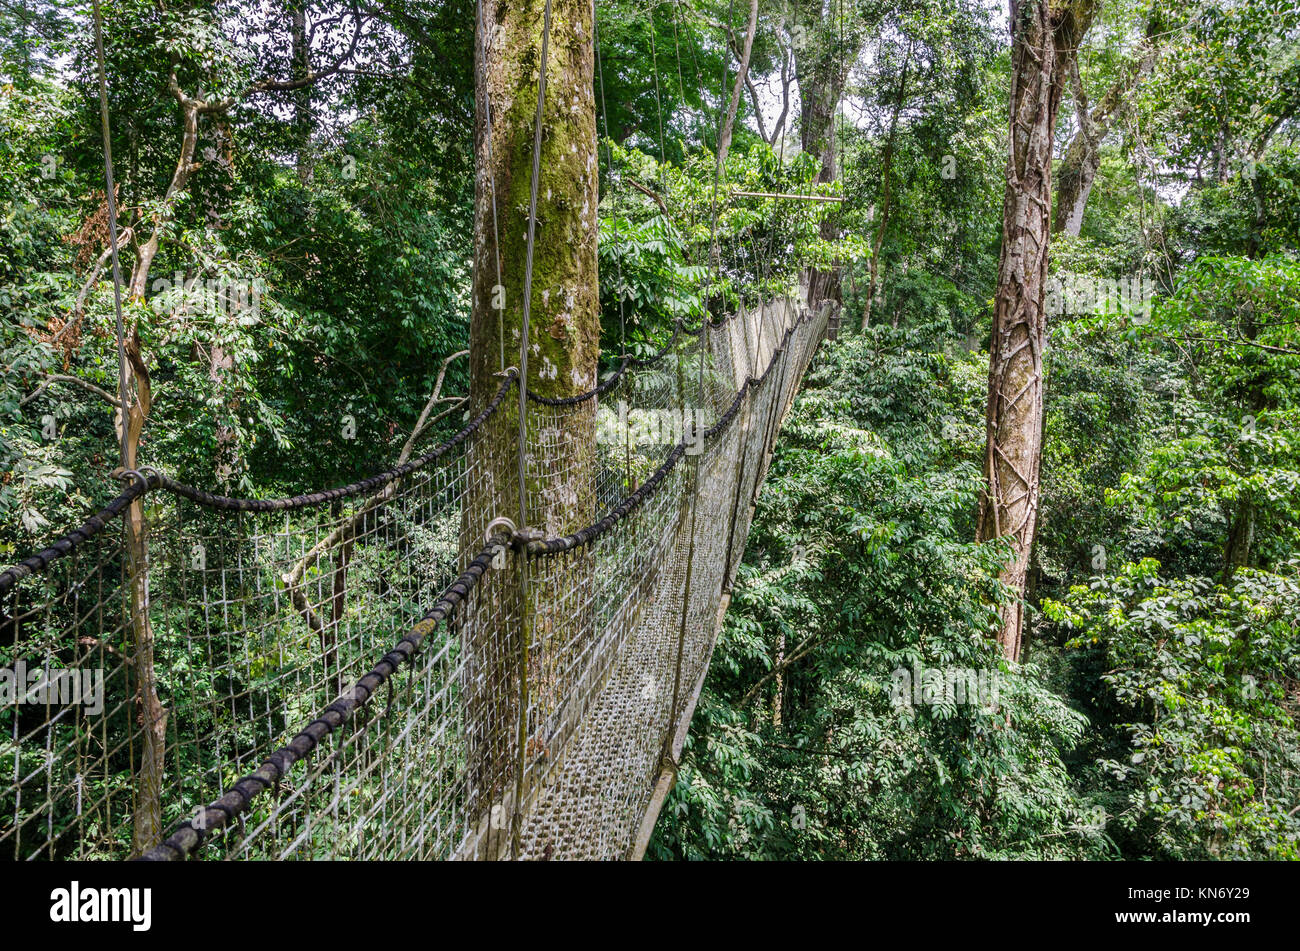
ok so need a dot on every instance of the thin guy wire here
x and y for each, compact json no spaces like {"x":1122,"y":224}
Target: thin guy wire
{"x":111,"y":199}
{"x":525,"y":632}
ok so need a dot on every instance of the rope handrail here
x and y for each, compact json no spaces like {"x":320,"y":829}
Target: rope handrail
{"x":152,"y":480}
{"x":190,"y":834}
{"x":588,"y":534}
{"x":156,"y":480}
{"x":604,"y":387}
{"x":67,"y":544}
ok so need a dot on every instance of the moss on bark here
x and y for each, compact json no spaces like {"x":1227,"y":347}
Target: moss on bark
{"x":563,"y":352}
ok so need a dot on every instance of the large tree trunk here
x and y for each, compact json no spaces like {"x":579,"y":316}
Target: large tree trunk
{"x":1044,"y":32}
{"x":564,"y":321}
{"x":820,"y":90}
{"x":563,"y":348}
{"x":822,"y":63}
{"x":302,"y":97}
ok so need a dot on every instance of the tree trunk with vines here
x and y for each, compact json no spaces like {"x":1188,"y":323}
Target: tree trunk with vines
{"x":1045,"y":31}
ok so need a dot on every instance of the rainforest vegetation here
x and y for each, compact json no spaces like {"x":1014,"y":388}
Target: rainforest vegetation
{"x":1053,"y":447}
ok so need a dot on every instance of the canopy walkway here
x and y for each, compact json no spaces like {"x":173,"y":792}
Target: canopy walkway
{"x":383,"y":671}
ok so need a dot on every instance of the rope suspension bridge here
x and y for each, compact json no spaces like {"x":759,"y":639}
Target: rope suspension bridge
{"x":486,"y":729}
{"x":391,"y":669}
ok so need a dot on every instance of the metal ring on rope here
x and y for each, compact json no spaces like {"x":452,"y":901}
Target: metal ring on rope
{"x":127,"y":474}
{"x":500,"y":521}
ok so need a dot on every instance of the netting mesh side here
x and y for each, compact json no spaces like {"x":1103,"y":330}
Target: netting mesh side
{"x":640,"y":635}
{"x":63,"y":641}
{"x":262,"y":622}
{"x":283,"y":618}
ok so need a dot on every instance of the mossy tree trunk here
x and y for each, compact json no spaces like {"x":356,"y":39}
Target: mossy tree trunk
{"x":563,"y":350}
{"x":824,"y":86}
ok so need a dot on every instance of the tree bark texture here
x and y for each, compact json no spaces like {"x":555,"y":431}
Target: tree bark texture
{"x":563,"y":350}
{"x":1045,"y":31}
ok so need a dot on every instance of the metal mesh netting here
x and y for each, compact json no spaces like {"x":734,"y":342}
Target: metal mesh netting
{"x":298,"y":712}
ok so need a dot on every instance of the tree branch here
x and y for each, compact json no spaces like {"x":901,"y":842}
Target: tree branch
{"x":50,"y":378}
{"x":658,"y":199}
{"x":313,"y":76}
{"x":798,"y":653}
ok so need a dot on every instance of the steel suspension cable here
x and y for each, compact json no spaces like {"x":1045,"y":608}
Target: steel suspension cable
{"x":517,"y":818}
{"x":528,"y":265}
{"x":609,"y":163}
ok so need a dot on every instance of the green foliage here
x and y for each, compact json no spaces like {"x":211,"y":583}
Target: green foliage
{"x":1205,"y":674}
{"x":858,"y":568}
{"x":1200,"y":479}
{"x":645,"y":271}
{"x":1156,"y":713}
